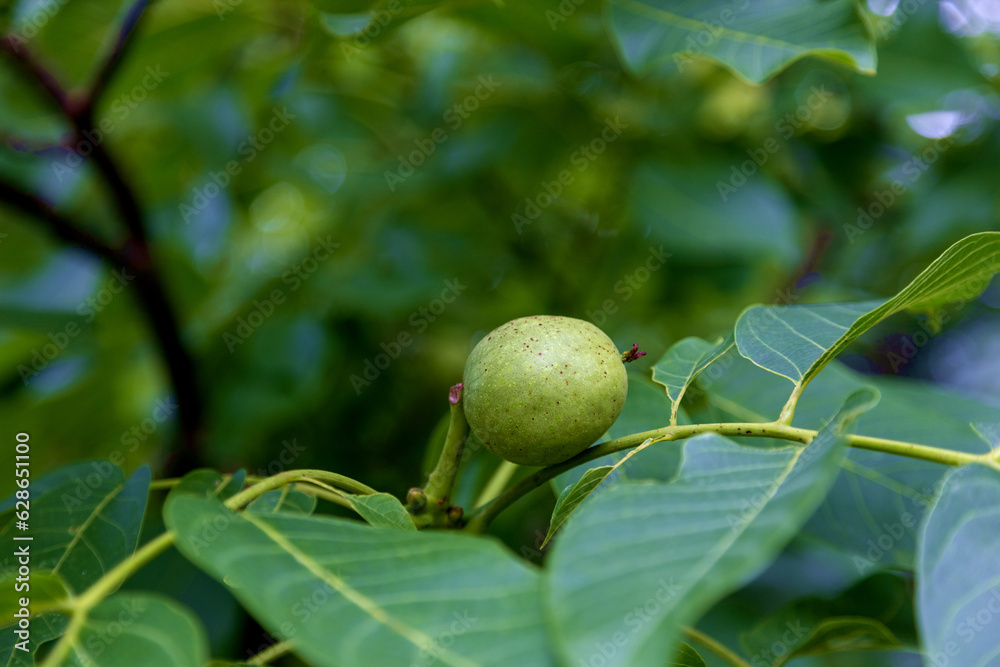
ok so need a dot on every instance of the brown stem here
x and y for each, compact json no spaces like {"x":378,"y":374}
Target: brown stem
{"x":134,"y":256}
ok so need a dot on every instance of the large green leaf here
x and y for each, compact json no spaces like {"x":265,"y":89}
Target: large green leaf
{"x":129,"y":629}
{"x":86,"y":523}
{"x":873,"y":510}
{"x":346,"y":593}
{"x":657,"y":555}
{"x":958,"y":572}
{"x":755,"y":39}
{"x":874,"y":614}
{"x":797,"y":342}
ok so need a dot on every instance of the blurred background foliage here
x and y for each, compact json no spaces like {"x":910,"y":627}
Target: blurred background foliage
{"x":323,"y":252}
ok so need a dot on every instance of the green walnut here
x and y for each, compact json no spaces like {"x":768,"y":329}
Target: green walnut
{"x":539,"y":390}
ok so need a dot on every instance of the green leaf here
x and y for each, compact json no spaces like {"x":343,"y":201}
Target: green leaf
{"x":87,"y":523}
{"x":687,"y":657}
{"x":44,"y":629}
{"x":796,"y":342}
{"x":874,"y":614}
{"x":787,"y":340}
{"x":383,"y":510}
{"x":350,"y":594}
{"x":572,"y":496}
{"x":48,"y":593}
{"x":125,"y":627}
{"x":678,"y":367}
{"x":989,"y":432}
{"x":958,"y":572}
{"x":284,"y":499}
{"x":208,"y":482}
{"x":756,"y":221}
{"x":753,"y":39}
{"x":647,"y":407}
{"x":874,"y":508}
{"x":58,"y":477}
{"x":657,"y":555}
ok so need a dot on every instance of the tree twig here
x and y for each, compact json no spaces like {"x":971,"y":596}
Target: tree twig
{"x":134,"y":255}
{"x":117,"y":56}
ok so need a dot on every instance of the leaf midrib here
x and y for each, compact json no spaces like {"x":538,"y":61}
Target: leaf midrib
{"x":359,"y":599}
{"x":86,"y":524}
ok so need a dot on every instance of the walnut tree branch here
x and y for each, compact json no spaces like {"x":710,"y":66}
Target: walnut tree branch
{"x":134,"y":255}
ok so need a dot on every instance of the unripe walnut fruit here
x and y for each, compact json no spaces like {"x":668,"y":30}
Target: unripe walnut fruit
{"x":539,"y":390}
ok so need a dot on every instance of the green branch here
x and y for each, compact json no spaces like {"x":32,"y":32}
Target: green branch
{"x":483,"y":516}
{"x":716,"y":647}
{"x":271,"y":653}
{"x":430,"y":506}
{"x":114,"y":578}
